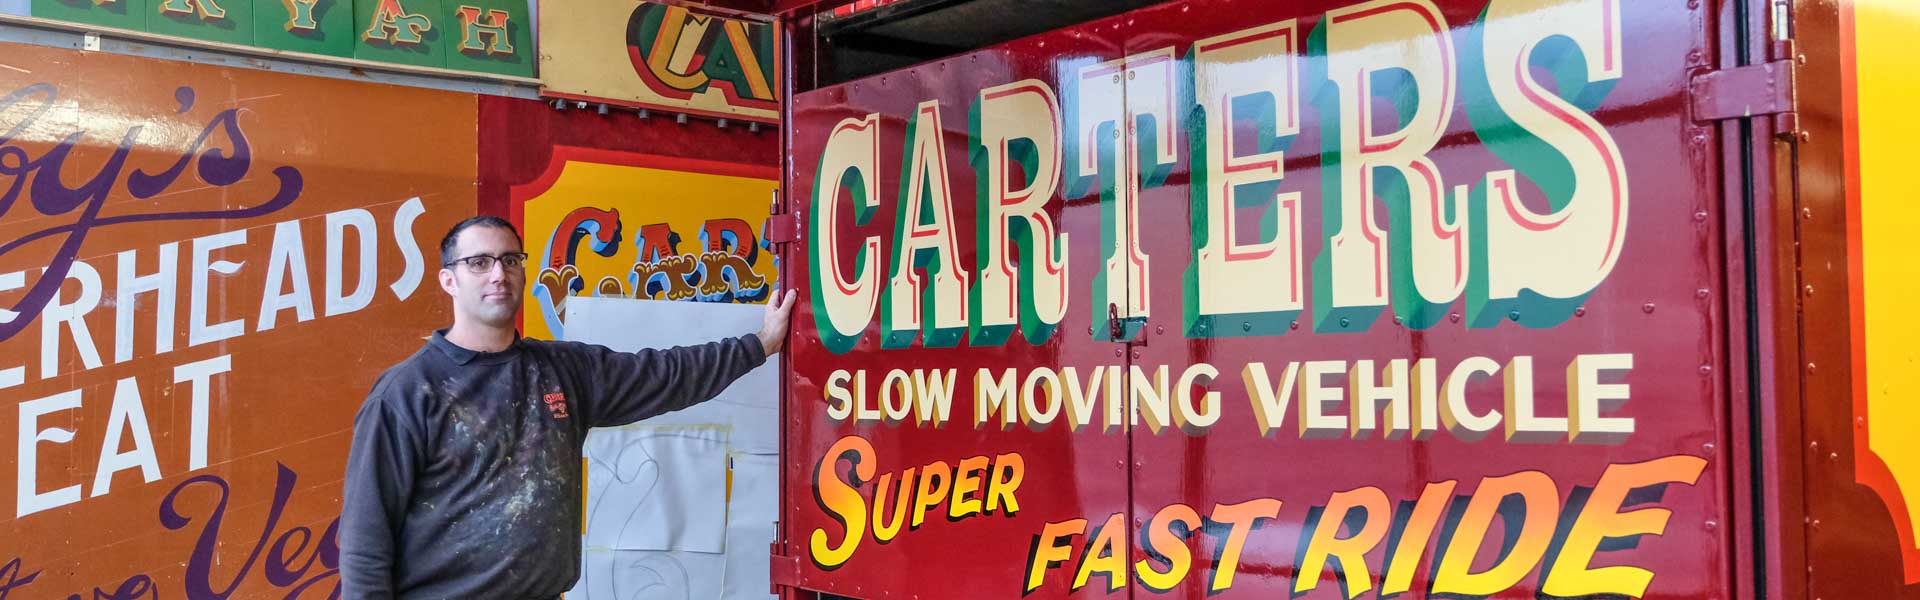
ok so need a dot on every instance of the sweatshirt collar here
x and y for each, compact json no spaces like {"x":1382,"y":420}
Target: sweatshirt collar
{"x":462,"y":355}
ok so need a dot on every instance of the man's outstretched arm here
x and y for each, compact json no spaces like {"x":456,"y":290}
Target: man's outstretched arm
{"x":628,"y":387}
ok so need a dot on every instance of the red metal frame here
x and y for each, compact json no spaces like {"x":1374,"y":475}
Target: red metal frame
{"x":1765,"y":460}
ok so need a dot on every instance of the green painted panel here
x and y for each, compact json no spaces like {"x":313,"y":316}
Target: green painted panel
{"x":311,"y":26}
{"x":406,"y":32}
{"x":481,"y":45}
{"x":229,"y":21}
{"x":119,"y":14}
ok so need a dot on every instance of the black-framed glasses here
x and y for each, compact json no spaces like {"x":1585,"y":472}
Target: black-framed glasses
{"x":480,"y":264}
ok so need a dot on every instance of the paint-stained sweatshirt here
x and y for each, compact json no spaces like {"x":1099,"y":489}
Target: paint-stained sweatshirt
{"x":464,"y":477}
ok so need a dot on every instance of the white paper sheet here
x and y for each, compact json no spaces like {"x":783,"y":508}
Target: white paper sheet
{"x":751,"y":513}
{"x":749,"y":406}
{"x":657,"y":488}
{"x":648,"y":575}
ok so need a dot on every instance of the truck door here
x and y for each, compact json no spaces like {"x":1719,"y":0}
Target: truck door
{"x":1398,"y":298}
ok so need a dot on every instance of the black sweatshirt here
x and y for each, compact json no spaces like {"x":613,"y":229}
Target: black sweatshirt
{"x":464,"y":479}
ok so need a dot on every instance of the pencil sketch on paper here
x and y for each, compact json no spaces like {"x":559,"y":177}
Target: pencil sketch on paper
{"x":657,"y":489}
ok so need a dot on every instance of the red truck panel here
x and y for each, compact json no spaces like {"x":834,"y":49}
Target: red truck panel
{"x":1436,"y":288}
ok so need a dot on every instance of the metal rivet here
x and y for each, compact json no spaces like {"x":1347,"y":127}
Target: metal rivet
{"x":1809,"y":291}
{"x":1814,"y":445}
{"x":1701,"y":293}
{"x":1514,"y":316}
{"x":1580,"y":311}
{"x":1712,"y":524}
{"x":1130,"y":75}
{"x":1159,"y":330}
{"x":1116,"y":78}
{"x":1705,"y":369}
{"x":1455,"y":317}
{"x":1707,"y":447}
{"x":1811,"y":367}
{"x":1246,"y":326}
{"x":1136,"y":355}
{"x":1397,"y":321}
{"x":1117,"y":353}
{"x":1806,"y":137}
{"x":1700,"y":216}
{"x":1294,"y":325}
{"x":1806,"y":213}
{"x":1343,"y":322}
{"x":1647,"y":308}
{"x":1802,"y":59}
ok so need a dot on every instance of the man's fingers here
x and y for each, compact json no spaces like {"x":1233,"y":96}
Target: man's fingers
{"x":783,"y":303}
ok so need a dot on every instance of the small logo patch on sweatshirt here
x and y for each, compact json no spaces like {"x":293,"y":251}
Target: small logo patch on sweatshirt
{"x":557,"y":404}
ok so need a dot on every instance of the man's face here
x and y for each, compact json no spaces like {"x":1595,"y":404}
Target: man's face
{"x":492,"y":297}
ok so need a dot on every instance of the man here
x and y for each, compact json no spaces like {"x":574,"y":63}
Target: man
{"x":464,"y":479}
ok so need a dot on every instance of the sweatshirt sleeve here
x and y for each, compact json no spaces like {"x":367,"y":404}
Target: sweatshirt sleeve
{"x":387,"y":452}
{"x":630,"y":386}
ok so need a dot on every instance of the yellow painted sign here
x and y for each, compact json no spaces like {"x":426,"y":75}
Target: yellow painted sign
{"x":1886,"y":280}
{"x":653,"y":55}
{"x":605,"y":223}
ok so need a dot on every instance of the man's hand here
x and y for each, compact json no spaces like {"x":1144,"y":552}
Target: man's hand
{"x":773,"y":330}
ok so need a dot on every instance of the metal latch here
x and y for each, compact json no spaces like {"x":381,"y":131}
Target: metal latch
{"x":1744,"y":92}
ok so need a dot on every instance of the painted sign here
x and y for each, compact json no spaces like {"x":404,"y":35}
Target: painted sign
{"x":1885,"y":290}
{"x":177,"y":243}
{"x":489,"y":36}
{"x":1237,"y":297}
{"x":656,"y":55}
{"x":618,"y":224}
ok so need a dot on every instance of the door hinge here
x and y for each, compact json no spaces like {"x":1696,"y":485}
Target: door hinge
{"x":1766,"y":89}
{"x":785,"y":571}
{"x":783,"y":226}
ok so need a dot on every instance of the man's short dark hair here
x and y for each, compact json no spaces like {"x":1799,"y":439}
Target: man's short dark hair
{"x":453,"y":235}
